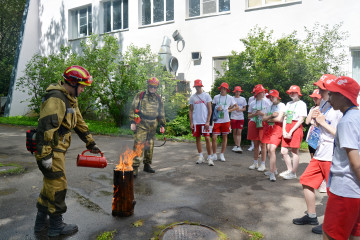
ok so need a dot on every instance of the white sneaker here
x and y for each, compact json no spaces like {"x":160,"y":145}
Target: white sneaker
{"x":284,"y":173}
{"x":251,"y":149}
{"x":222,"y":157}
{"x":267,"y":173}
{"x":322,"y":188}
{"x":253,"y":166}
{"x":261,"y":168}
{"x":272,"y":177}
{"x":234,"y":149}
{"x":200,"y":160}
{"x":210,"y":162}
{"x":214,"y":157}
{"x":239,"y":149}
{"x":289,"y":176}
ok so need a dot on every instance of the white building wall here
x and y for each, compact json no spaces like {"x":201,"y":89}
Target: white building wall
{"x":213,"y":36}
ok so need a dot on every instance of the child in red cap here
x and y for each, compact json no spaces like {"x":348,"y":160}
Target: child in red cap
{"x":237,"y":118}
{"x":199,"y":114}
{"x":223,"y":102}
{"x":342,"y":214}
{"x":316,"y":97}
{"x":257,"y":110}
{"x":295,"y":114}
{"x":273,"y":130}
{"x":322,"y":139}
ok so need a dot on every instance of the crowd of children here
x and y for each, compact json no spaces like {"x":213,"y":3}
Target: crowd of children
{"x":333,"y":139}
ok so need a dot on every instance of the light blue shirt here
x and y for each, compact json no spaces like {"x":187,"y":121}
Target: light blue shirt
{"x":342,"y":180}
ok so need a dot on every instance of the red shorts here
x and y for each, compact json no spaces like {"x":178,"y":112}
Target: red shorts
{"x":196,"y":132}
{"x":237,"y":124}
{"x":272,"y":134}
{"x":297,"y":136}
{"x":255,"y":133}
{"x":342,"y":217}
{"x":315,"y":173}
{"x":221,"y":128}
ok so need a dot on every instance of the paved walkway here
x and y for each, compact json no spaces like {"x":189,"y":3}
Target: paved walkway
{"x":227,"y":196}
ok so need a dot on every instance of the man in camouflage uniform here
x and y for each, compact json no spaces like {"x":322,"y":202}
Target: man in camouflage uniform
{"x":149,"y":108}
{"x":59,"y":113}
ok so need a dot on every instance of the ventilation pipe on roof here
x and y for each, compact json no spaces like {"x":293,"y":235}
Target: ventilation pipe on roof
{"x":166,"y":59}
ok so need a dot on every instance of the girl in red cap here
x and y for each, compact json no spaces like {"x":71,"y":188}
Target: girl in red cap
{"x":223,"y":102}
{"x":273,"y":130}
{"x":295,"y":114}
{"x":237,"y":118}
{"x":257,"y":110}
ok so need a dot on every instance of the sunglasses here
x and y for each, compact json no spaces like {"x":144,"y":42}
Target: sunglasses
{"x":153,"y":87}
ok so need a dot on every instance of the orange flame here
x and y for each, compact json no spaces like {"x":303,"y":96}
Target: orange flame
{"x":126,"y":159}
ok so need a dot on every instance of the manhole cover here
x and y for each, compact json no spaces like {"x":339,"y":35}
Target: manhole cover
{"x":184,"y":231}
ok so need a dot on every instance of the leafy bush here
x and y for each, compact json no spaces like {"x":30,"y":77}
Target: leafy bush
{"x":181,"y":124}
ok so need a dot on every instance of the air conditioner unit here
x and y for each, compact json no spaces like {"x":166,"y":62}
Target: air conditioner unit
{"x":196,"y":56}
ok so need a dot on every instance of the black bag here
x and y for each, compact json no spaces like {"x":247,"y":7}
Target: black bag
{"x":215,"y":114}
{"x":30,"y":140}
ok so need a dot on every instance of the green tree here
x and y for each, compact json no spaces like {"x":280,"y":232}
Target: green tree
{"x":11,"y":13}
{"x":117,"y":78}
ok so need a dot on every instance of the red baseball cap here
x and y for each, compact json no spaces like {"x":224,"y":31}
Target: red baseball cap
{"x":259,"y":88}
{"x":324,"y":78}
{"x":238,"y":89}
{"x":198,"y":83}
{"x":346,"y":86}
{"x":274,"y":93}
{"x":294,"y":89}
{"x":224,"y":85}
{"x":315,"y":94}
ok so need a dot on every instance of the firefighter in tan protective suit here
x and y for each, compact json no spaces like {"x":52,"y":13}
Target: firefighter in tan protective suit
{"x":59,"y":113}
{"x":147,"y":111}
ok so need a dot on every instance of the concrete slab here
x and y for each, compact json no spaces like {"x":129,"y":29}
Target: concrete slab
{"x":226,"y":196}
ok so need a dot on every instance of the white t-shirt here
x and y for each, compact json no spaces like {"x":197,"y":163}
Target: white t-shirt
{"x":298,"y":108}
{"x":342,"y":180}
{"x":261,"y":105}
{"x":251,"y":99}
{"x":226,"y":102}
{"x":199,"y":102}
{"x":325,"y":147}
{"x":280,"y":107}
{"x":239,"y":115}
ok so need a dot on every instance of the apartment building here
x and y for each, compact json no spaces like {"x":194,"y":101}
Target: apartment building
{"x":200,"y":33}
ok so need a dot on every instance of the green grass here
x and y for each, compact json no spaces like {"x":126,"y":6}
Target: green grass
{"x":304,"y":146}
{"x":13,"y":171}
{"x":252,"y":234}
{"x":106,"y":235}
{"x":20,"y":120}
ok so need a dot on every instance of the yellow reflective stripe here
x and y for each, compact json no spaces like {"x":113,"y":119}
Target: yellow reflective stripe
{"x":75,"y":69}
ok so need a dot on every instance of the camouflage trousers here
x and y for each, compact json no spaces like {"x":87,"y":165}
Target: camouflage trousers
{"x":53,"y":192}
{"x":145,"y":133}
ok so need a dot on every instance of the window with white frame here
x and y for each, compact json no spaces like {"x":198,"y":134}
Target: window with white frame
{"x":80,"y":22}
{"x":264,"y":3}
{"x":156,"y":11}
{"x":219,"y":67}
{"x":116,"y":15}
{"x":205,"y":7}
{"x":355,"y":53}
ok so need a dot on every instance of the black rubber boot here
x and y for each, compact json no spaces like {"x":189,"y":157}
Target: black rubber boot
{"x":135,"y":172}
{"x":41,"y":222}
{"x":58,"y":227}
{"x":148,"y":169}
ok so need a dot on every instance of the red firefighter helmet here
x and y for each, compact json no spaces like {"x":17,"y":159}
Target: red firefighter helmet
{"x":153,"y":81}
{"x":77,"y":75}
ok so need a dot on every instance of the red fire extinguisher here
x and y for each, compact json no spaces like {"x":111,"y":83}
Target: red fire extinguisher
{"x":91,"y":161}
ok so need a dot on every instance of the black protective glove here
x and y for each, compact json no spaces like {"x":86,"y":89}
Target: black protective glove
{"x":95,"y":149}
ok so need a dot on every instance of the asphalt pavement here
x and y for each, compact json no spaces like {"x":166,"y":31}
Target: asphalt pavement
{"x":226,"y":197}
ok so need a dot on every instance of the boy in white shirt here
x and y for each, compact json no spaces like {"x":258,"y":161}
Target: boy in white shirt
{"x":295,"y":114}
{"x":223,"y":102}
{"x":237,"y":118}
{"x":326,"y":120}
{"x":342,"y":214}
{"x":199,"y":115}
